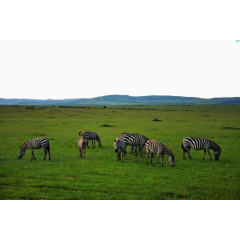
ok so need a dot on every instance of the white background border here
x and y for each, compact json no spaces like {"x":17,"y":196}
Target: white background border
{"x":119,"y":20}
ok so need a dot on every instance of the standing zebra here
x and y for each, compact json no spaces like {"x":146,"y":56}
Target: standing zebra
{"x":200,"y":144}
{"x":134,"y":140}
{"x":81,"y":148}
{"x":36,"y":144}
{"x":159,"y":148}
{"x":120,"y":148}
{"x":88,"y":135}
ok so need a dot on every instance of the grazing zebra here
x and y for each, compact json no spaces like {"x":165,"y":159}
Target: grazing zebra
{"x":159,"y":148}
{"x":200,"y":144}
{"x":36,"y":144}
{"x":134,"y":140}
{"x":82,"y":147}
{"x":120,"y":148}
{"x":88,"y":135}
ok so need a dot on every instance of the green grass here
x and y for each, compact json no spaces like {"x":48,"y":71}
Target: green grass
{"x":100,"y":175}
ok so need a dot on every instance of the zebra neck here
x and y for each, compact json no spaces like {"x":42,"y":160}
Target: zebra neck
{"x":168,"y":152}
{"x":214,"y":146}
{"x":26,"y":146}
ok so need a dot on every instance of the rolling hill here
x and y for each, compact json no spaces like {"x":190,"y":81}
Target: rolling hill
{"x":125,"y":100}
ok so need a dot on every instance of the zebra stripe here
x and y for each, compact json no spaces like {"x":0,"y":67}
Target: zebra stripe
{"x":36,"y":143}
{"x":89,"y":135}
{"x":200,"y":144}
{"x":153,"y":146}
{"x":134,"y":140}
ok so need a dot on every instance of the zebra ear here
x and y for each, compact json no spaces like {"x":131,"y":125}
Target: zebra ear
{"x":79,"y":133}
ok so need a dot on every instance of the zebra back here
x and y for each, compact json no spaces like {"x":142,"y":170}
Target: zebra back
{"x":134,"y":139}
{"x":195,"y":143}
{"x":90,"y":135}
{"x":36,"y":143}
{"x":155,"y":147}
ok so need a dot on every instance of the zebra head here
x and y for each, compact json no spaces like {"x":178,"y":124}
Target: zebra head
{"x":22,"y":150}
{"x":217,"y":150}
{"x":217,"y":154}
{"x":171,"y":160}
{"x":116,"y":145}
{"x":99,"y":141}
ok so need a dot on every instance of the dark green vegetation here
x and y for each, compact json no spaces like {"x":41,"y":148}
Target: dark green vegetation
{"x":111,"y":100}
{"x":100,"y":176}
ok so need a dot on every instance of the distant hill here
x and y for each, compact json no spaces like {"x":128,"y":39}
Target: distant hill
{"x":125,"y":100}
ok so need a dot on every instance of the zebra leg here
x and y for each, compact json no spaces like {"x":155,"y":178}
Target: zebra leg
{"x":162,"y":160}
{"x":84,"y":153}
{"x":132,"y":148}
{"x":204,"y":153}
{"x":33,"y":156}
{"x":156,"y":159}
{"x":209,"y":154}
{"x":48,"y":149}
{"x":87,"y":143}
{"x":188,"y":152}
{"x":122,"y":156}
{"x":147,"y":155}
{"x":79,"y":153}
{"x":142,"y":151}
{"x":184,"y":150}
{"x":119,"y":156}
{"x":45,"y":153}
{"x":136,"y":150}
{"x":151,"y":154}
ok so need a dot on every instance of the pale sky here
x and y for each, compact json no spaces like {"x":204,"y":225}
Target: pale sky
{"x":84,"y":69}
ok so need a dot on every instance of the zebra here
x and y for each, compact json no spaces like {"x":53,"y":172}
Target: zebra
{"x":82,"y":147}
{"x":36,"y":143}
{"x":120,"y":148}
{"x":200,"y":144}
{"x":153,"y":146}
{"x":88,"y":135}
{"x":134,"y":140}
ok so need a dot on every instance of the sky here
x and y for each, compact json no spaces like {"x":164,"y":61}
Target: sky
{"x":85,"y":69}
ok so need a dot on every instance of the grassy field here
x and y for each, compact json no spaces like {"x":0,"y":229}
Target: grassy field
{"x":100,"y":175}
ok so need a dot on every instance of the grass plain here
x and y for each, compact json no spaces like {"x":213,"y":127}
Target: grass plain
{"x":100,"y":175}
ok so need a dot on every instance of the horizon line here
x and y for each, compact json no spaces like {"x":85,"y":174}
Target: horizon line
{"x":57,"y":99}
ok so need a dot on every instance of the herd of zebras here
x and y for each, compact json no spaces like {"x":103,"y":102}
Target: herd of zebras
{"x":137,"y":142}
